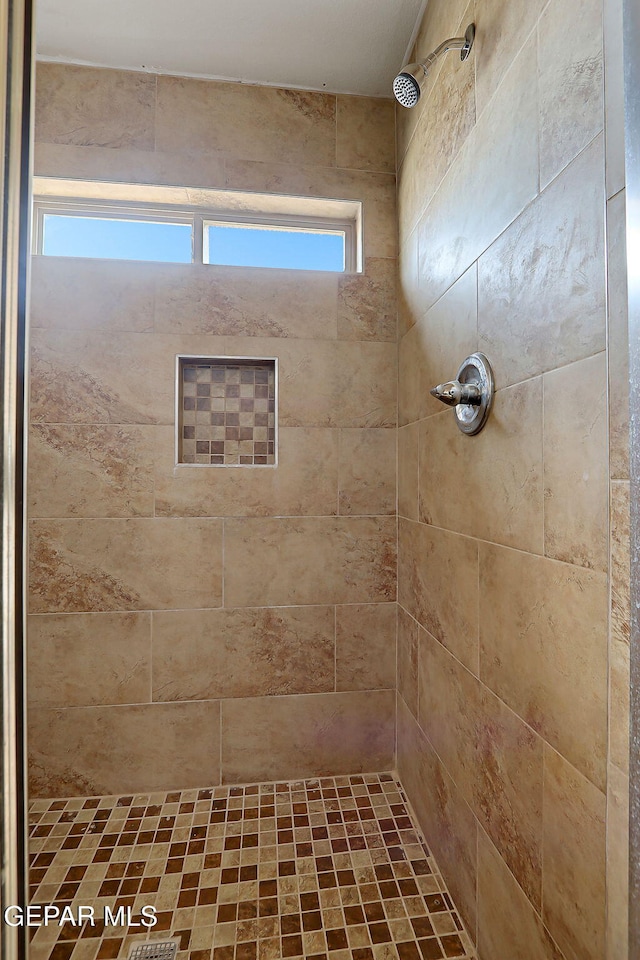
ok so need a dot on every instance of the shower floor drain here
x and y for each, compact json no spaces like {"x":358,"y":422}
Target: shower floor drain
{"x":158,"y":950}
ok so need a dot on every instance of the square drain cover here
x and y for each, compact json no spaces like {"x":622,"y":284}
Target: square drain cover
{"x":154,"y":950}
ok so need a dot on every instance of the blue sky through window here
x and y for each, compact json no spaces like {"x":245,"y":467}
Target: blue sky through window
{"x":228,"y":244}
{"x":116,"y":239}
{"x":259,"y":247}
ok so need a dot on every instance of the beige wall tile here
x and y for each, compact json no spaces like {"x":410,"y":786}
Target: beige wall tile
{"x":256,"y":123}
{"x":306,"y":735}
{"x":614,"y":95}
{"x":618,"y":338}
{"x":541,"y":301}
{"x":575,"y":464}
{"x":245,"y":301}
{"x":328,"y":384}
{"x":212,"y":654}
{"x":543,"y":628}
{"x":367,"y":302}
{"x":366,"y":646}
{"x":410,"y":297}
{"x":367,"y":472}
{"x":574,"y":860}
{"x":408,"y":645}
{"x":447,"y":115}
{"x":408,"y":461}
{"x":69,"y":293}
{"x":305,"y":482}
{"x":494,"y":759}
{"x":100,"y":470}
{"x":83,"y":377}
{"x":309,"y":560}
{"x":128,"y":166}
{"x":366,"y":134}
{"x":502,"y":30}
{"x":142,"y":564}
{"x":411,"y":351}
{"x":620,"y":627}
{"x":85,"y":106}
{"x":502,"y":465}
{"x":570,"y":81}
{"x":617,"y":864}
{"x":502,"y":170}
{"x":508,"y":926}
{"x":377,"y":191}
{"x":87,"y":751}
{"x":432,"y":564}
{"x":87,"y":659}
{"x":448,"y":823}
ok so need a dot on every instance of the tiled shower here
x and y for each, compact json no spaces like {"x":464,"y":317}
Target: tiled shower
{"x":314,"y":673}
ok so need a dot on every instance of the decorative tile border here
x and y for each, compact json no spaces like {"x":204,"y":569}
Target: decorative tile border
{"x":330,"y":869}
{"x":227,"y":411}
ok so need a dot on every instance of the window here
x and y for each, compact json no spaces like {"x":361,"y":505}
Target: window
{"x":295,"y":233}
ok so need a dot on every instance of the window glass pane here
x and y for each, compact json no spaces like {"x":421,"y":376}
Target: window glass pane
{"x":69,"y":236}
{"x":297,"y":249}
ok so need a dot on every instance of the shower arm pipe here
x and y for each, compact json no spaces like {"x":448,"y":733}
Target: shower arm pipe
{"x":455,"y":43}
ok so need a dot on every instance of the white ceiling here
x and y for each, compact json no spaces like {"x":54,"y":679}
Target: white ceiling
{"x":342,"y":46}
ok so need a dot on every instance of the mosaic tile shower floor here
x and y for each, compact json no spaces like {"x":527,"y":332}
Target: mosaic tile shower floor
{"x":330,"y":869}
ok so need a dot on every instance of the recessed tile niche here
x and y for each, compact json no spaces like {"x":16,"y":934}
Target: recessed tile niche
{"x":227,"y":411}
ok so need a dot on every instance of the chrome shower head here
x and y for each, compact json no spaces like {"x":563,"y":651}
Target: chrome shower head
{"x":408,"y":85}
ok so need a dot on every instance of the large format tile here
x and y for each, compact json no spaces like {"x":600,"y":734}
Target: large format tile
{"x":431,"y":352}
{"x":242,"y":120}
{"x":432,"y":566}
{"x":366,"y":646}
{"x":246,"y":301}
{"x":493,"y":757}
{"x":305,"y":482}
{"x":447,"y":821}
{"x":620,"y":626}
{"x":80,"y":294}
{"x":617,"y":864}
{"x":442,"y":121}
{"x":574,"y":860}
{"x":366,"y":134}
{"x":128,"y":165}
{"x":570,"y":81}
{"x":543,"y":649}
{"x":141,"y":564}
{"x":367,"y":302}
{"x":97,"y":377}
{"x":408,"y":461}
{"x":309,"y":560}
{"x":274,"y":738}
{"x":502,"y":29}
{"x":575,"y":472}
{"x":376,"y":192}
{"x":408,"y":659}
{"x":503,"y":170}
{"x":324,"y":383}
{"x":488,"y":486}
{"x":367,"y":472}
{"x":106,"y":750}
{"x":80,"y":470}
{"x":87,"y":659}
{"x":614,"y":94}
{"x":214,"y":654}
{"x":618,"y":338}
{"x":541,"y":285}
{"x":83,"y":105}
{"x":508,"y":926}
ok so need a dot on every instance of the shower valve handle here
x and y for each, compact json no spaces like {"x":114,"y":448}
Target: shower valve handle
{"x":454,"y":393}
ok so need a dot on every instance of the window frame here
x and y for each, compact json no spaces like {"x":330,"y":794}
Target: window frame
{"x":199,"y":217}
